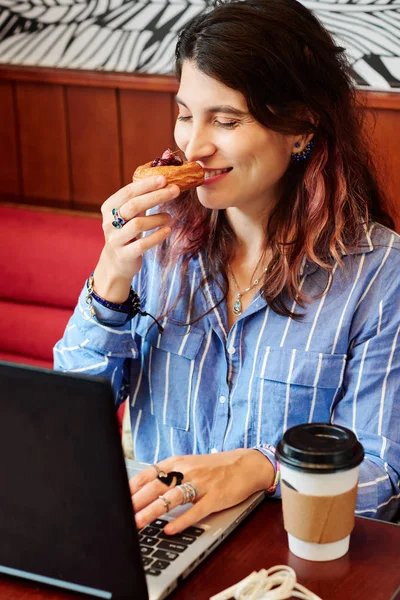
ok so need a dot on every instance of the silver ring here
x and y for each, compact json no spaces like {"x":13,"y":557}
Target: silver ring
{"x":189,"y":491}
{"x":166,"y":502}
{"x":185,"y":493}
{"x":157,"y":469}
{"x":118,"y":221}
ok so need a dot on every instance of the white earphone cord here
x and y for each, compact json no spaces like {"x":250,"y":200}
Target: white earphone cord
{"x":276,"y":583}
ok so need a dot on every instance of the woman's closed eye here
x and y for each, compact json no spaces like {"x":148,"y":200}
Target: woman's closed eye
{"x":225,"y":124}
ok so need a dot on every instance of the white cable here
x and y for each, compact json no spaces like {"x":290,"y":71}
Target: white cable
{"x":276,"y":583}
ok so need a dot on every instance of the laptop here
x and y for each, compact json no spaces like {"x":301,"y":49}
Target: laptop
{"x":66,"y":516}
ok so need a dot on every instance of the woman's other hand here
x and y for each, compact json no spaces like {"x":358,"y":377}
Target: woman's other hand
{"x":222,"y":480}
{"x":121,"y":257}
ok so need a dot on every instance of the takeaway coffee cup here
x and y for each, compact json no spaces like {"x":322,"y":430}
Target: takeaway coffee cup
{"x":319,"y":473}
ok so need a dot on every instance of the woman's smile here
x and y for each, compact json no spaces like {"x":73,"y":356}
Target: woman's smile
{"x":215,"y":175}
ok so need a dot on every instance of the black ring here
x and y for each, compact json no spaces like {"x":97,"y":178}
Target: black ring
{"x":167,"y":478}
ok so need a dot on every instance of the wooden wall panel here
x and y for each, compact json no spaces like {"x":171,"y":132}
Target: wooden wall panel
{"x":43,"y":139}
{"x":146,"y":128}
{"x":96,"y":166}
{"x":387,"y":136}
{"x":9,"y":172}
{"x":384,"y":128}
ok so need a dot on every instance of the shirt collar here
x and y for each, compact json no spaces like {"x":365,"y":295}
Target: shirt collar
{"x":364,"y":247}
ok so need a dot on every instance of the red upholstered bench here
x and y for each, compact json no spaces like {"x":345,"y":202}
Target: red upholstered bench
{"x":45,"y":257}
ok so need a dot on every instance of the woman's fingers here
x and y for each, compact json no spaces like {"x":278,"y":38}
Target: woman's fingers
{"x":148,"y":494}
{"x":137,"y":188}
{"x":140,"y":479}
{"x":141,"y":203}
{"x":171,"y":499}
{"x":193,"y":515}
{"x":146,"y":490}
{"x":136,"y":198}
{"x":140,"y":246}
{"x":135,"y":227}
{"x":160,"y":506}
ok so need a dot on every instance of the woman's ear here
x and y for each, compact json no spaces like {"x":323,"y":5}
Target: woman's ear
{"x":301,"y":142}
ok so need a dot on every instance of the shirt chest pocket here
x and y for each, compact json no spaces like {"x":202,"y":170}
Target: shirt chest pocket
{"x":168,"y":373}
{"x":294,"y":386}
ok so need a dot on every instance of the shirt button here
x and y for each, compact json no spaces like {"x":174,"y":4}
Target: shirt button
{"x":222,"y":399}
{"x":231,"y":350}
{"x":213,"y":450}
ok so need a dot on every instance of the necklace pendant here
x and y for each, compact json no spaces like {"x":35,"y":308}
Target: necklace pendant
{"x":237,"y":307}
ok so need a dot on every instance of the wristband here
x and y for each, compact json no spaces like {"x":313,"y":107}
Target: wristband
{"x":272,"y":489}
{"x":131,"y":306}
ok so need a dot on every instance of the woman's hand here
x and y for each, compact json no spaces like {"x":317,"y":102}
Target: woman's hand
{"x":121,"y":257}
{"x":222,"y":480}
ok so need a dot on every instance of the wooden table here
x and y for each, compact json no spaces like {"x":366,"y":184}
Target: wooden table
{"x":370,"y":571}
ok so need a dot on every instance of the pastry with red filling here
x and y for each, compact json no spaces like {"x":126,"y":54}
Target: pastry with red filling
{"x":184,"y":174}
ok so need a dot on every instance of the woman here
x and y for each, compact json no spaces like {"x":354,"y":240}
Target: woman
{"x":275,"y":282}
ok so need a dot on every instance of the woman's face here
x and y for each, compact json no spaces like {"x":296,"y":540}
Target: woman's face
{"x":244,"y":161}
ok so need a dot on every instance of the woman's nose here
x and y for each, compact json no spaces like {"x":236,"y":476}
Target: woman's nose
{"x":199,"y":145}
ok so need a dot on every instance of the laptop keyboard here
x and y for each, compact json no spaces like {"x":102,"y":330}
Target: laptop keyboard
{"x":159,"y":550}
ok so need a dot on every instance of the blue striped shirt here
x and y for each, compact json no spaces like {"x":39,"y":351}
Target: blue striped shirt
{"x":205,"y":388}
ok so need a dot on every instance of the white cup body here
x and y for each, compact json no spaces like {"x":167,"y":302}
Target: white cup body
{"x":319,"y":484}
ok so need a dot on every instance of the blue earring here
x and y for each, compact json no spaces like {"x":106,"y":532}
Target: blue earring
{"x":303,"y":154}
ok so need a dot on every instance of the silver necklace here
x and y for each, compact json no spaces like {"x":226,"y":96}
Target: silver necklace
{"x":237,"y":308}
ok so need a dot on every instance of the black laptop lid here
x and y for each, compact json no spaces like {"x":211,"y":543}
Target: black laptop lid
{"x":65,"y":508}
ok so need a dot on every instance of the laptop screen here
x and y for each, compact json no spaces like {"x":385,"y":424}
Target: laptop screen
{"x":66,"y":515}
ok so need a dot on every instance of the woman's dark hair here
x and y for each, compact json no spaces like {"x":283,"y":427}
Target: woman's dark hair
{"x":295,"y":81}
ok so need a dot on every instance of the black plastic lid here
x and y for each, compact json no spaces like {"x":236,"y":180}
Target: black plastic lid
{"x":319,"y":447}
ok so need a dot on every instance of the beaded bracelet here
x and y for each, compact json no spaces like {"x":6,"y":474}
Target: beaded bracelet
{"x":131,"y":306}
